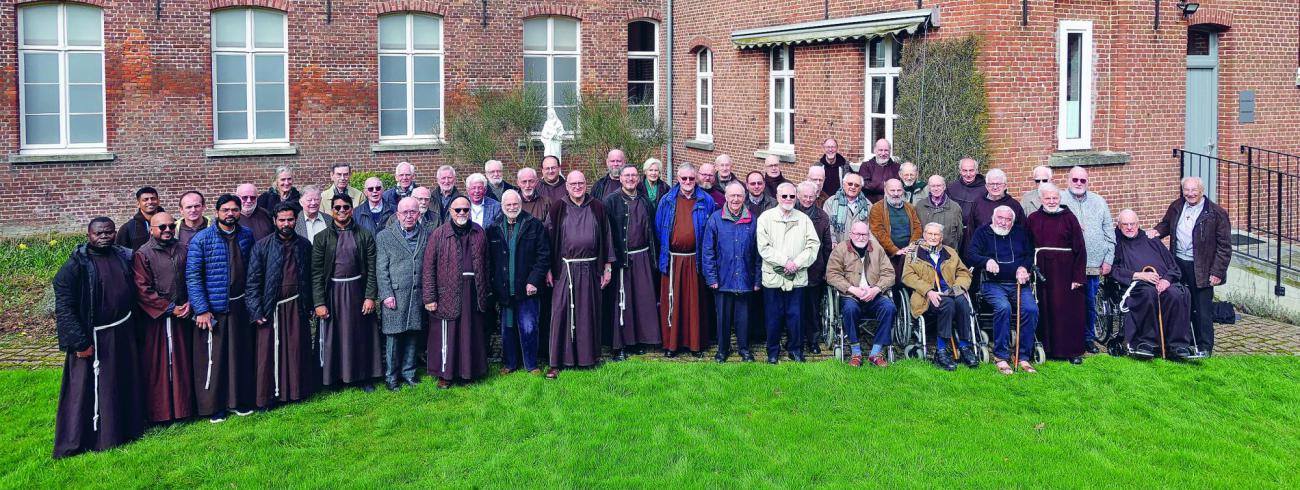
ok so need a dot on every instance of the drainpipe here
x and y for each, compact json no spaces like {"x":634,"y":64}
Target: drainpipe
{"x":668,"y":161}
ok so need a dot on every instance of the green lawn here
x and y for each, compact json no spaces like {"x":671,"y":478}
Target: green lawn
{"x":1229,"y":422}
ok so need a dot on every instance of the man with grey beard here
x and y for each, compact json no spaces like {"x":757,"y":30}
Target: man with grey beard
{"x":1004,"y":250}
{"x":520,"y":254}
{"x":455,"y":283}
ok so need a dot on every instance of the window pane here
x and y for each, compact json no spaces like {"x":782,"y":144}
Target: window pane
{"x":789,"y":58}
{"x":779,"y":133}
{"x":640,"y":93}
{"x":232,"y":126}
{"x":641,"y":36}
{"x":534,"y":68}
{"x":778,"y":58}
{"x":392,"y":31}
{"x":426,"y":122}
{"x":876,"y":53}
{"x":270,"y":97}
{"x":268,"y":30}
{"x":1198,"y":42}
{"x":566,"y":69}
{"x":778,"y":100}
{"x":566,"y":115}
{"x":535,"y":34}
{"x":270,"y":125}
{"x":789,"y":128}
{"x":894,"y":81}
{"x":392,"y":69}
{"x":86,"y":128}
{"x":427,"y":32}
{"x":704,"y":91}
{"x":231,"y":68}
{"x":428,"y":95}
{"x":566,"y":34}
{"x":85,"y":67}
{"x":268,"y":68}
{"x":704,"y":120}
{"x":392,"y":123}
{"x":536,"y":91}
{"x":640,"y":69}
{"x":229,"y":28}
{"x":878,"y":129}
{"x":896,"y":48}
{"x":232,"y":97}
{"x":85,"y":99}
{"x":83,"y":26}
{"x":392,"y":96}
{"x":42,"y":130}
{"x":41,"y":68}
{"x":427,"y":69}
{"x":877,"y":95}
{"x":41,"y":27}
{"x":566,"y":93}
{"x":1073,"y":84}
{"x":41,"y":98}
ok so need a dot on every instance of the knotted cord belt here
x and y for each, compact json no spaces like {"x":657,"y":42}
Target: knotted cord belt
{"x":622,"y":284}
{"x":275,"y":331}
{"x":671,"y":273}
{"x":568,"y":272}
{"x":94,"y":340}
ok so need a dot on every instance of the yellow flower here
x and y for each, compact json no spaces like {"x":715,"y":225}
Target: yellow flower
{"x":54,"y":243}
{"x":22,"y":246}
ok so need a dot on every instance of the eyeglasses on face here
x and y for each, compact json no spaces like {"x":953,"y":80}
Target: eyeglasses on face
{"x":786,"y":196}
{"x":1042,"y":181}
{"x":247,"y":198}
{"x":343,"y":207}
{"x":167,"y":226}
{"x":374,"y":189}
{"x":852,"y":184}
{"x":1078,"y":180}
{"x":460,"y":210}
{"x":687,"y":179}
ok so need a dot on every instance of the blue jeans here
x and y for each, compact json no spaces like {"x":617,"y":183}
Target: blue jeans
{"x":520,"y":338}
{"x":1000,"y":295}
{"x":881,"y":308}
{"x":781,"y":308}
{"x":399,"y":356}
{"x":1090,"y":295}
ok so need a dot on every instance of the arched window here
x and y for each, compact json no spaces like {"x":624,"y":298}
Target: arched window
{"x":643,"y":67}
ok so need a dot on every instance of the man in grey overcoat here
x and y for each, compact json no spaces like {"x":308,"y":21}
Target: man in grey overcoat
{"x":400,"y":253}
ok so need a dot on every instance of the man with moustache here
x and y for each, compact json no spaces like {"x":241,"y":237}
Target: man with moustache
{"x":609,"y":184}
{"x":633,"y":314}
{"x":256,"y":219}
{"x":532,"y":201}
{"x":135,"y":231}
{"x":1006,"y":252}
{"x":894,"y":225}
{"x":455,"y":285}
{"x":159,"y":270}
{"x":279,"y":290}
{"x":878,"y":170}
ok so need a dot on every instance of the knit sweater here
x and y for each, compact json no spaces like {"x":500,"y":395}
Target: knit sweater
{"x":1098,"y":227}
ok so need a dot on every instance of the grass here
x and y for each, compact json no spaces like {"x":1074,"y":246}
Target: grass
{"x":27,"y":265}
{"x":1228,"y":422}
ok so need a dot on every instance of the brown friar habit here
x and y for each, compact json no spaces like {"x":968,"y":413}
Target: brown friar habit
{"x":185,"y":233}
{"x":260,"y":223}
{"x":682,"y":293}
{"x":582,"y":244}
{"x":349,"y":341}
{"x":101,"y":403}
{"x":1141,"y":323}
{"x":279,"y":293}
{"x":1062,"y":311}
{"x":554,"y":191}
{"x":240,"y":342}
{"x":629,"y":298}
{"x":160,"y":287}
{"x":535,"y":205}
{"x":454,"y":275}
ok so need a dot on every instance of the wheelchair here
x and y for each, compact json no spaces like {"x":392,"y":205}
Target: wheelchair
{"x":982,"y":315}
{"x":1110,"y":318}
{"x":901,"y":335}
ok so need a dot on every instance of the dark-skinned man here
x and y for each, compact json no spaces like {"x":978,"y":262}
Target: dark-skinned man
{"x":279,"y":300}
{"x":344,"y":290}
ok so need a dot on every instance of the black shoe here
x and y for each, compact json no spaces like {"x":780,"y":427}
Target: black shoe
{"x":1091,"y":347}
{"x":619,"y":356}
{"x":412,"y":381}
{"x":697,"y":355}
{"x":639,"y":350}
{"x":746,"y":356}
{"x":771,"y":359}
{"x":943,"y":359}
{"x":1143,"y":352}
{"x":368,"y":388}
{"x":815,"y":348}
{"x":720,"y":357}
{"x":1181,"y":354}
{"x":218,"y":417}
{"x":392,"y":385}
{"x":263,"y":410}
{"x":670,"y":353}
{"x":1076,"y":360}
{"x":969,"y":358}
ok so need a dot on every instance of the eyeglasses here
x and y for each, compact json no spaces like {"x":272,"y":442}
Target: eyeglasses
{"x":857,"y":234}
{"x":786,"y":196}
{"x":996,"y":184}
{"x":687,"y":179}
{"x":169,"y":226}
{"x":374,"y":189}
{"x":1079,"y":181}
{"x":343,"y":207}
{"x":460,"y":210}
{"x":852,"y":184}
{"x":247,"y":198}
{"x":1042,"y":181}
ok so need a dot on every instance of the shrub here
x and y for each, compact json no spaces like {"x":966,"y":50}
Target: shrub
{"x":942,"y":106}
{"x":605,"y":123}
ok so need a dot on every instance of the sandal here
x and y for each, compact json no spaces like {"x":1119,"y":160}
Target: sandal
{"x":1003,"y":367}
{"x":1027,"y":367}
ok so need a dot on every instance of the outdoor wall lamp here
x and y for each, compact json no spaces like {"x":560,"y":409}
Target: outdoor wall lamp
{"x":1188,"y":8}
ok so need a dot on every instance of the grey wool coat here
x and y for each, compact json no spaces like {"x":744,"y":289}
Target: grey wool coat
{"x":398,"y":274}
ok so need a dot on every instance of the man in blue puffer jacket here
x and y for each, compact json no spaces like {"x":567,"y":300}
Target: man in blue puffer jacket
{"x":729,"y":252}
{"x":215,"y":273}
{"x":679,"y":225}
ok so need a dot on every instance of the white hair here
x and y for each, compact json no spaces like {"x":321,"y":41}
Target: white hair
{"x":509,"y":192}
{"x":525,"y":171}
{"x":684,"y":167}
{"x":1006,"y":208}
{"x":475,"y":177}
{"x":1190,"y":179}
{"x":490,"y":162}
{"x":932,"y":224}
{"x":996,"y":173}
{"x":651,"y":161}
{"x":808,"y":185}
{"x":447,"y":168}
{"x":1048,"y":187}
{"x":403,"y":164}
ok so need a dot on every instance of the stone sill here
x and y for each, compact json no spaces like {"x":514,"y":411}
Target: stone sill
{"x":385,"y":146}
{"x":214,"y":152}
{"x":99,"y":156}
{"x":1086,"y":158}
{"x":700,"y":145}
{"x":784,"y":156}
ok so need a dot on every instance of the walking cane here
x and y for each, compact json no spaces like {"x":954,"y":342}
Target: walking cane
{"x":1160,"y":319}
{"x":1015,"y":356}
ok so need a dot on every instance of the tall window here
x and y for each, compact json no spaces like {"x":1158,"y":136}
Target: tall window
{"x":61,"y":77}
{"x":1075,"y":61}
{"x":781,"y":90}
{"x":410,"y":77}
{"x":884,"y":56}
{"x":704,"y":95}
{"x":249,"y":54}
{"x":643,"y":67}
{"x":551,"y":56}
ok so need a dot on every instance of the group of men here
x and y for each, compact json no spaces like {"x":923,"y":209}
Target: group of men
{"x":281,"y":293}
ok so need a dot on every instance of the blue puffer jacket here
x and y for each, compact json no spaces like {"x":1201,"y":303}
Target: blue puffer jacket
{"x":730,"y":253}
{"x":207,"y":271}
{"x":667,"y":211}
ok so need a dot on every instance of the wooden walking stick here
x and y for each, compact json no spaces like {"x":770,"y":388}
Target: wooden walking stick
{"x":1160,"y":320}
{"x":1015,"y":356}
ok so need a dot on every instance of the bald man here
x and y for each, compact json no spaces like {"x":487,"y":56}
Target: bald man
{"x":1156,"y":300}
{"x":609,"y":184}
{"x":256,"y":219}
{"x":159,"y":269}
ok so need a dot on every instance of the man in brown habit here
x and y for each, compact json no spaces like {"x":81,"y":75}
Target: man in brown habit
{"x":100,"y":403}
{"x":633,"y":315}
{"x":455,"y":282}
{"x":159,"y":269}
{"x":580,"y":239}
{"x":344,"y":290}
{"x":279,"y":295}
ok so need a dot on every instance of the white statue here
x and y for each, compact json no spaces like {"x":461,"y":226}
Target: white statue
{"x":551,"y":133}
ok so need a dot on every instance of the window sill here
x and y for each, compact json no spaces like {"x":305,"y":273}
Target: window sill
{"x":1086,"y":158}
{"x":254,"y":151}
{"x":386,"y":146}
{"x":785,"y":156}
{"x":99,"y":156}
{"x":700,"y":145}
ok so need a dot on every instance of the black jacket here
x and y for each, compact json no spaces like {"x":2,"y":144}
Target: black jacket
{"x":616,"y":210}
{"x":265,"y":274}
{"x":532,"y":257}
{"x":75,"y":287}
{"x":271,"y":198}
{"x":134,"y":232}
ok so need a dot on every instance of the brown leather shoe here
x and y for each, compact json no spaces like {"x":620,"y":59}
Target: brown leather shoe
{"x":535,"y":372}
{"x":443,"y":384}
{"x":505,"y":371}
{"x":878,"y":361}
{"x":552,"y":373}
{"x":856,"y":360}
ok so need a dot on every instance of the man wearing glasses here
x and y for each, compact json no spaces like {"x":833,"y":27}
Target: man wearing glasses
{"x":374,"y":213}
{"x":788,"y":245}
{"x":680,"y":220}
{"x":584,"y":251}
{"x":344,"y":289}
{"x":1031,"y":201}
{"x":256,"y":219}
{"x":455,"y":290}
{"x":634,"y":316}
{"x":980,"y":212}
{"x":159,"y":270}
{"x":846,"y":207}
{"x":1099,"y":238}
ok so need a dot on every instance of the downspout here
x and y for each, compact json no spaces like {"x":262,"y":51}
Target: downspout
{"x":668,"y":160}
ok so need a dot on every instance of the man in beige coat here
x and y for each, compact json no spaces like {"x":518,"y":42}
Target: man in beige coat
{"x":862,"y":273}
{"x":788,"y":245}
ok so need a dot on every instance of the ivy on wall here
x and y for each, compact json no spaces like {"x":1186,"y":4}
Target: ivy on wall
{"x":942,"y":106}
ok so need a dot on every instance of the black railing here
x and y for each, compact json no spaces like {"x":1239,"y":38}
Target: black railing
{"x":1261,"y":196}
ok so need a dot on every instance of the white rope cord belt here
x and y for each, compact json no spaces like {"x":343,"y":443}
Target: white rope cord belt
{"x":671,"y":273}
{"x":622,"y":284}
{"x":346,"y":279}
{"x":568,"y":272}
{"x":275,"y":331}
{"x":207,"y":380}
{"x":444,"y":331}
{"x":94,"y":340}
{"x":170,"y":352}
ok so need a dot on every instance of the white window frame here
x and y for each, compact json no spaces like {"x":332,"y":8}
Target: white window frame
{"x":250,"y":52}
{"x":701,"y":78}
{"x":890,"y":73}
{"x":62,"y":50}
{"x":653,"y":56}
{"x":550,"y":54}
{"x":785,"y":74}
{"x":1084,"y":141}
{"x":410,"y":53}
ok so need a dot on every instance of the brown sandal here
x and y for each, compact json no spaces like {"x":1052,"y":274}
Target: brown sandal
{"x":1003,"y":367}
{"x":1027,"y":367}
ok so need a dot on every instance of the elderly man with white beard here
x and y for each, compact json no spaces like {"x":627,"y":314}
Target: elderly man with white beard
{"x":453,"y":276}
{"x":497,"y":186}
{"x":520,"y":253}
{"x":1063,"y":257}
{"x":1006,"y":253}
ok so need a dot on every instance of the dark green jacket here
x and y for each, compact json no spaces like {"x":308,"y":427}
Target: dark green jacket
{"x":322,"y":261}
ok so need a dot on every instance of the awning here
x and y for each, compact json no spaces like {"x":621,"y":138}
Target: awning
{"x":833,"y":30}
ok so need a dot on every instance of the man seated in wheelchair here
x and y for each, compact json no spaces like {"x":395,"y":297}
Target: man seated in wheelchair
{"x":862,"y":274}
{"x":939,"y":280}
{"x":1158,"y":320}
{"x":1004,"y":250}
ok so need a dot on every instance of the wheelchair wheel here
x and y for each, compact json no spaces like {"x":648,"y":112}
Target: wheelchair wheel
{"x":1040,"y":354}
{"x":914,"y":352}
